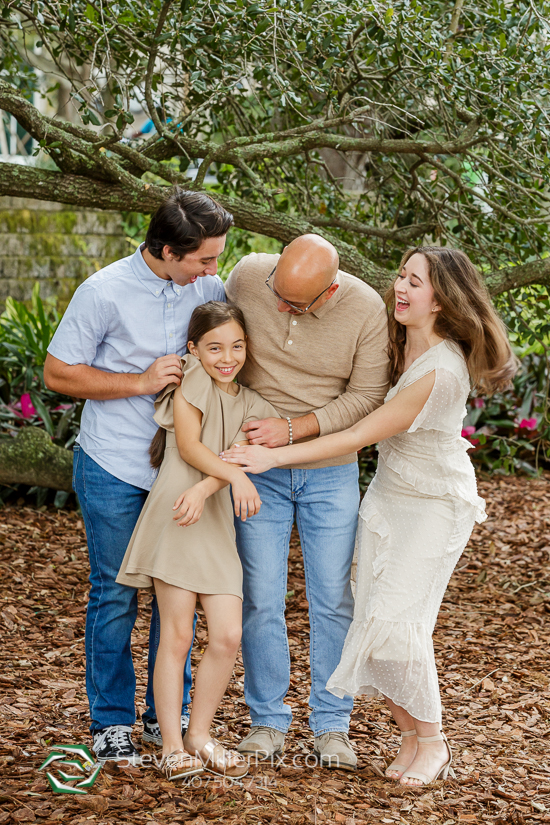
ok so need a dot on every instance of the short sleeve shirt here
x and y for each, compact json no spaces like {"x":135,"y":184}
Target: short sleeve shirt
{"x":120,"y":320}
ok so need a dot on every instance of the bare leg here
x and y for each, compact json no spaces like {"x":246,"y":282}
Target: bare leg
{"x":223,"y":616}
{"x":407,"y":751}
{"x":176,"y":608}
{"x":420,"y":757}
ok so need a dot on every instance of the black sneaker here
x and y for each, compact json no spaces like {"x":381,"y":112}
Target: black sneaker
{"x":151,"y":730}
{"x":114,"y":744}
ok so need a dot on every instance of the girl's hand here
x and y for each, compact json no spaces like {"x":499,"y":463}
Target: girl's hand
{"x":252,"y":459}
{"x":190,"y":505}
{"x":245,"y":497}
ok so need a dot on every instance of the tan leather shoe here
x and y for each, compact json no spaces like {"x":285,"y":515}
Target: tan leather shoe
{"x":334,"y":751}
{"x":262,"y":742}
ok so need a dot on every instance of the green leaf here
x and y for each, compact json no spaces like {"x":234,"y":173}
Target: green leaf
{"x":43,"y":413}
{"x":90,"y":13}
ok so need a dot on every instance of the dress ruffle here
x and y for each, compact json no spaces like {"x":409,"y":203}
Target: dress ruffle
{"x":373,"y":521}
{"x":380,"y":657}
{"x":446,"y":484}
{"x":196,"y":387}
{"x":372,"y":664}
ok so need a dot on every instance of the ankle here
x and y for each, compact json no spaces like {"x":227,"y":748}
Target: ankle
{"x":196,"y":737}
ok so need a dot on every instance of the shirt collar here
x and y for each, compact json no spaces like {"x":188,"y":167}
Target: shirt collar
{"x":332,"y":301}
{"x":154,"y":284}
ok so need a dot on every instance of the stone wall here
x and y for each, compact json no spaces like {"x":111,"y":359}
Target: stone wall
{"x":57,"y":245}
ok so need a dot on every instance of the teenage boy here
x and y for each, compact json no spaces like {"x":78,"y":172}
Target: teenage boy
{"x":118,"y":344}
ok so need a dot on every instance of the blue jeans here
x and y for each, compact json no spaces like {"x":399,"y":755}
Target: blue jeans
{"x":110,"y":508}
{"x":325,"y":504}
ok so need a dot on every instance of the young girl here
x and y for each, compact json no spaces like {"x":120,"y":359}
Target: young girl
{"x":420,"y":508}
{"x":197,"y":419}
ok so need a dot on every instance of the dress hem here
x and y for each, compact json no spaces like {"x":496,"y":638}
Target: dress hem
{"x":139,"y":571}
{"x":373,"y":691}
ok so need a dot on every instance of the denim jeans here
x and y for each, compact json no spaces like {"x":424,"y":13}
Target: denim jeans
{"x":110,"y":508}
{"x":325,"y":504}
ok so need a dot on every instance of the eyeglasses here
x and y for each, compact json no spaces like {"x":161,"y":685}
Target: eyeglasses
{"x":292,"y":306}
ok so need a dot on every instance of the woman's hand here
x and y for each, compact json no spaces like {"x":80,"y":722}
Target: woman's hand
{"x":252,"y":459}
{"x":245,"y":497}
{"x":190,"y":505}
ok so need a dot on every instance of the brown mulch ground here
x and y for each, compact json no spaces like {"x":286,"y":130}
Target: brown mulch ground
{"x":492,"y":646}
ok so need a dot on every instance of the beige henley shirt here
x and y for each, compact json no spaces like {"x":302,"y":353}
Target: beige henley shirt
{"x":331,"y":361}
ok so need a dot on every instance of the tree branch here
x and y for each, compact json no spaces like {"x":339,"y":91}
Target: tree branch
{"x":23,"y":181}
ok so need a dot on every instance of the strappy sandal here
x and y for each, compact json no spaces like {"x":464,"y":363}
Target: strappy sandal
{"x":227,"y":763}
{"x":395,"y":766}
{"x":443,"y":771}
{"x":180,"y":764}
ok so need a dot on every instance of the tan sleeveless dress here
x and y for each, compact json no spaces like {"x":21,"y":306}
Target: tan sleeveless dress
{"x":203,"y":557}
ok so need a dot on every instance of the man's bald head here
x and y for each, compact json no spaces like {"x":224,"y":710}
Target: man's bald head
{"x":307,"y":266}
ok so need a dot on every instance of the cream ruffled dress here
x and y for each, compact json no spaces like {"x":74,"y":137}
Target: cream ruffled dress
{"x":203,"y":557}
{"x":414,"y":522}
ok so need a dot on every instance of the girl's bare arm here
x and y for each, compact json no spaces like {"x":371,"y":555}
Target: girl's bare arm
{"x":187,"y":426}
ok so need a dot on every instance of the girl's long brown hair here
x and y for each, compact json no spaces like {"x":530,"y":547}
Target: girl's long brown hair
{"x":204,"y":318}
{"x":467,"y":317}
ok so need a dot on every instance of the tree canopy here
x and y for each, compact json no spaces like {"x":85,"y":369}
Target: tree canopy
{"x":378,"y":125}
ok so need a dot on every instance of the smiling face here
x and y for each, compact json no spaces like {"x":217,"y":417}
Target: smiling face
{"x":415,"y":304}
{"x":222,"y":352}
{"x":198,"y":264}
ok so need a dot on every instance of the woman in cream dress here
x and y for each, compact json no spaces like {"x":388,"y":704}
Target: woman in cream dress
{"x":421,"y":506}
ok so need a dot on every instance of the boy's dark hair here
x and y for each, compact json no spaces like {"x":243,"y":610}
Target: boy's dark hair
{"x":184,"y":221}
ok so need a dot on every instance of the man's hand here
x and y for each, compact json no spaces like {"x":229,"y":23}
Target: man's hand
{"x":165,"y":370}
{"x":268,"y":432}
{"x":190,"y":505}
{"x":245,"y":497}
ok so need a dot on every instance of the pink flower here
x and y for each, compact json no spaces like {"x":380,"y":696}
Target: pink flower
{"x":467,"y":433}
{"x":27,"y":407}
{"x":528,"y":424}
{"x":479,"y":403}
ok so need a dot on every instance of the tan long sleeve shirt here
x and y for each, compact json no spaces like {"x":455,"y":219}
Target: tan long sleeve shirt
{"x":331,"y":361}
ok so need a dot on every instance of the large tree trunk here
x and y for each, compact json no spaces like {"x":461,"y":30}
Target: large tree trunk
{"x":31,"y":458}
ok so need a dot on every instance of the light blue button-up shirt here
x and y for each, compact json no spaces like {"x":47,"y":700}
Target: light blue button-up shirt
{"x":121,"y":319}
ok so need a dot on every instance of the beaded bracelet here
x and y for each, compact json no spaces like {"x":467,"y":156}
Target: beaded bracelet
{"x":289,"y":430}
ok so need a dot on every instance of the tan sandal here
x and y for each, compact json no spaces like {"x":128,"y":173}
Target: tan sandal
{"x":395,"y":766}
{"x":443,"y":771}
{"x":224,"y":763}
{"x":180,"y":764}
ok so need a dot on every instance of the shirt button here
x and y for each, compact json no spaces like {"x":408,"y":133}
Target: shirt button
{"x":168,"y":305}
{"x":157,"y":292}
{"x":290,"y":342}
{"x":171,"y":336}
{"x":294,"y":323}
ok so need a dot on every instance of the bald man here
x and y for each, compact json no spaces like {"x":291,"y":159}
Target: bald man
{"x":316,"y":351}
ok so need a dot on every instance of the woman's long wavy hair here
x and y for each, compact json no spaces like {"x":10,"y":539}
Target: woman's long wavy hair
{"x":467,"y":317}
{"x":204,"y":318}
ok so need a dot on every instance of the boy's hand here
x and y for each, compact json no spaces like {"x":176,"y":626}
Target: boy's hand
{"x":190,"y":505}
{"x":245,"y":497}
